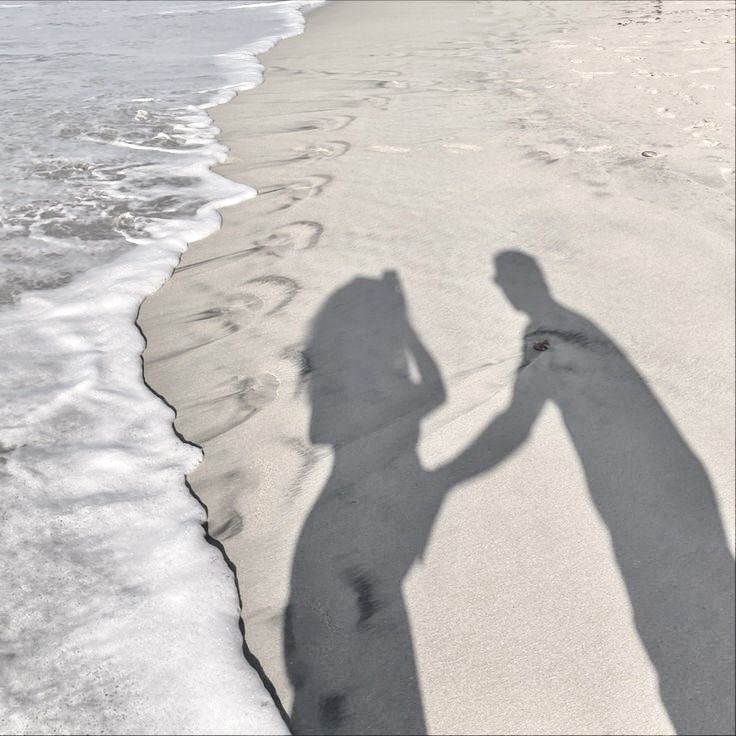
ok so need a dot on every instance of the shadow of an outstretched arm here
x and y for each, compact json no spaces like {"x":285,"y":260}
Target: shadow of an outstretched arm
{"x":501,"y":438}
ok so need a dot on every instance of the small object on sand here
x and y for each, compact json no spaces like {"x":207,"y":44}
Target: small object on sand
{"x":649,"y":154}
{"x":540,"y":347}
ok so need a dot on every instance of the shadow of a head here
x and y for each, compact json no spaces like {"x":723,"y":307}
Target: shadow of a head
{"x":357,"y":351}
{"x":522,"y":281}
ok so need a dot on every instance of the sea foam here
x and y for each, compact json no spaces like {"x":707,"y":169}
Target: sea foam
{"x":117,"y":614}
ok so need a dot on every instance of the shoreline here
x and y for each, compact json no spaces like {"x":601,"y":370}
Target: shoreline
{"x":105,"y":554}
{"x":422,"y":148}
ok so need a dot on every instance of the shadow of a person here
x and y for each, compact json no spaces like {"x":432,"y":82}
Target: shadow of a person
{"x":649,"y":488}
{"x":347,"y":639}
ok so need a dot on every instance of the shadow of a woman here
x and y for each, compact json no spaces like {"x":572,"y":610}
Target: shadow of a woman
{"x":650,"y":489}
{"x":348,"y":644}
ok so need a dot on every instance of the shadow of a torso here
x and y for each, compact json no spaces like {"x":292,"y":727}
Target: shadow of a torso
{"x":348,"y":644}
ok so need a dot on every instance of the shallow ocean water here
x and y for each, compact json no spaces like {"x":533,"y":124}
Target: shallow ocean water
{"x":103,"y":127}
{"x":116,"y":614}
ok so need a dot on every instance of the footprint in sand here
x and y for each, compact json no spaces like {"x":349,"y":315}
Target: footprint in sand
{"x":210,"y":325}
{"x":337,"y":122}
{"x":267,"y":127}
{"x":255,"y":392}
{"x":232,"y":485}
{"x":236,"y":402}
{"x":263,"y":295}
{"x":296,"y":191}
{"x":291,"y":238}
{"x":274,"y":292}
{"x":225,"y":311}
{"x":295,"y":236}
{"x":319,"y":151}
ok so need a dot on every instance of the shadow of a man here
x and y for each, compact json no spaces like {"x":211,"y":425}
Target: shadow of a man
{"x":649,"y":488}
{"x":347,"y":639}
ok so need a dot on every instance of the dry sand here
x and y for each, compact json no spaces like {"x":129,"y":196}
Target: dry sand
{"x":494,"y":501}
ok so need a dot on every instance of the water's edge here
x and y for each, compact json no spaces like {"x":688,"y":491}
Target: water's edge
{"x":307,"y":8}
{"x":247,"y":653}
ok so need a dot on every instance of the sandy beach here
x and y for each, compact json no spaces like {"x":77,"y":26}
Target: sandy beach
{"x":462,"y":372}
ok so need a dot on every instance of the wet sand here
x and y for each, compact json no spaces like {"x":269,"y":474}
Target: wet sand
{"x":463,"y":370}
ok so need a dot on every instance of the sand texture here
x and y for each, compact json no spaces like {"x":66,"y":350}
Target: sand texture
{"x":463,"y":370}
